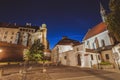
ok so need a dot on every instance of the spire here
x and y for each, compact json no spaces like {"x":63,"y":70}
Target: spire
{"x":102,"y":12}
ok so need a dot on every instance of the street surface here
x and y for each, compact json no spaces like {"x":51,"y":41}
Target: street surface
{"x":57,"y":73}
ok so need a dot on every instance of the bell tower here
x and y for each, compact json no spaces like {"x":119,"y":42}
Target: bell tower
{"x":102,"y":12}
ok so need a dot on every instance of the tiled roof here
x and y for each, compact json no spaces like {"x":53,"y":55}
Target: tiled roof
{"x":95,"y":30}
{"x":67,"y":41}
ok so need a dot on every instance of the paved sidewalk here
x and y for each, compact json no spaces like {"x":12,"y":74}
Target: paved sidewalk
{"x":60,"y":73}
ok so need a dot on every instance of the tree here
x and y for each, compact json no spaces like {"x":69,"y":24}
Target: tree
{"x":36,"y":52}
{"x":113,"y":19}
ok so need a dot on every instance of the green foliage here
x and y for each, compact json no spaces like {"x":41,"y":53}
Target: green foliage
{"x":35,"y":53}
{"x":105,"y":63}
{"x":113,"y":18}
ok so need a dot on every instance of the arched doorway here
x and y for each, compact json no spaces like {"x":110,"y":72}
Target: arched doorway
{"x":79,"y":60}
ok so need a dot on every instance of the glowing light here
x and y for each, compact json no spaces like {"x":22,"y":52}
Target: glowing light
{"x":0,"y":50}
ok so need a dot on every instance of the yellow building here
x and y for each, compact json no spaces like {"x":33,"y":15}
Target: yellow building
{"x":23,"y":35}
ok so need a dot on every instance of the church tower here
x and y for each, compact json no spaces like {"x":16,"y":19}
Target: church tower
{"x":44,"y":35}
{"x":102,"y":12}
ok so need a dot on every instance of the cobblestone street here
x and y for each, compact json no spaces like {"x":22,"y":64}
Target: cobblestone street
{"x":58,"y":73}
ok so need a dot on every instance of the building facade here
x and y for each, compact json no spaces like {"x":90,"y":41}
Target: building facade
{"x":64,"y":45}
{"x":23,"y":35}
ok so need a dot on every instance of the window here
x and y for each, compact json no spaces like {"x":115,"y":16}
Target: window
{"x":107,"y":56}
{"x":77,"y":49}
{"x":11,"y":37}
{"x":26,"y":30}
{"x":12,"y":33}
{"x":103,"y":43}
{"x":88,"y":43}
{"x":96,"y":42}
{"x":65,"y":57}
{"x":119,"y":50}
{"x":93,"y":46}
{"x":98,"y":57}
{"x":91,"y":57}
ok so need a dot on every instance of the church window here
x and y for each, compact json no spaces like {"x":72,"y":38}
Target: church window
{"x":107,"y":56}
{"x":93,"y":46}
{"x":91,"y":57}
{"x":96,"y":42}
{"x":103,"y":43}
{"x":88,"y":43}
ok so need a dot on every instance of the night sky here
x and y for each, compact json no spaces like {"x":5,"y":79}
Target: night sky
{"x":70,"y":18}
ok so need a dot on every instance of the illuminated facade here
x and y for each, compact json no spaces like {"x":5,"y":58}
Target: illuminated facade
{"x":23,"y":35}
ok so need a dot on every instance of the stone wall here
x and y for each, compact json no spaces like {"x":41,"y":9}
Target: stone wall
{"x":11,"y":52}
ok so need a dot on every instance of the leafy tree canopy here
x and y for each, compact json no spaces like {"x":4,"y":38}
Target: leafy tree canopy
{"x":36,"y":51}
{"x":113,"y":18}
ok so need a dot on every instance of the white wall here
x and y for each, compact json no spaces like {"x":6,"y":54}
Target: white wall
{"x":116,"y":49}
{"x":101,"y":36}
{"x":64,"y":48}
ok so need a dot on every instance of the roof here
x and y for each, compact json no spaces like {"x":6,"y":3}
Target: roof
{"x":67,"y":41}
{"x":11,"y":25}
{"x":101,"y":27}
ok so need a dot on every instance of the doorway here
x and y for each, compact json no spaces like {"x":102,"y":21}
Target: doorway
{"x":79,"y":60}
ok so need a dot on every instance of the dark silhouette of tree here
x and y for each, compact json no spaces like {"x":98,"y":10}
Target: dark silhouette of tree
{"x":113,"y":19}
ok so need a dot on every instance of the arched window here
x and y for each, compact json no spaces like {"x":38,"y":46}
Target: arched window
{"x":97,"y":43}
{"x":88,"y":44}
{"x":103,"y":43}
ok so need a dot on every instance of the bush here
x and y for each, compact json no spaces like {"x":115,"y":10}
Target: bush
{"x":105,"y":63}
